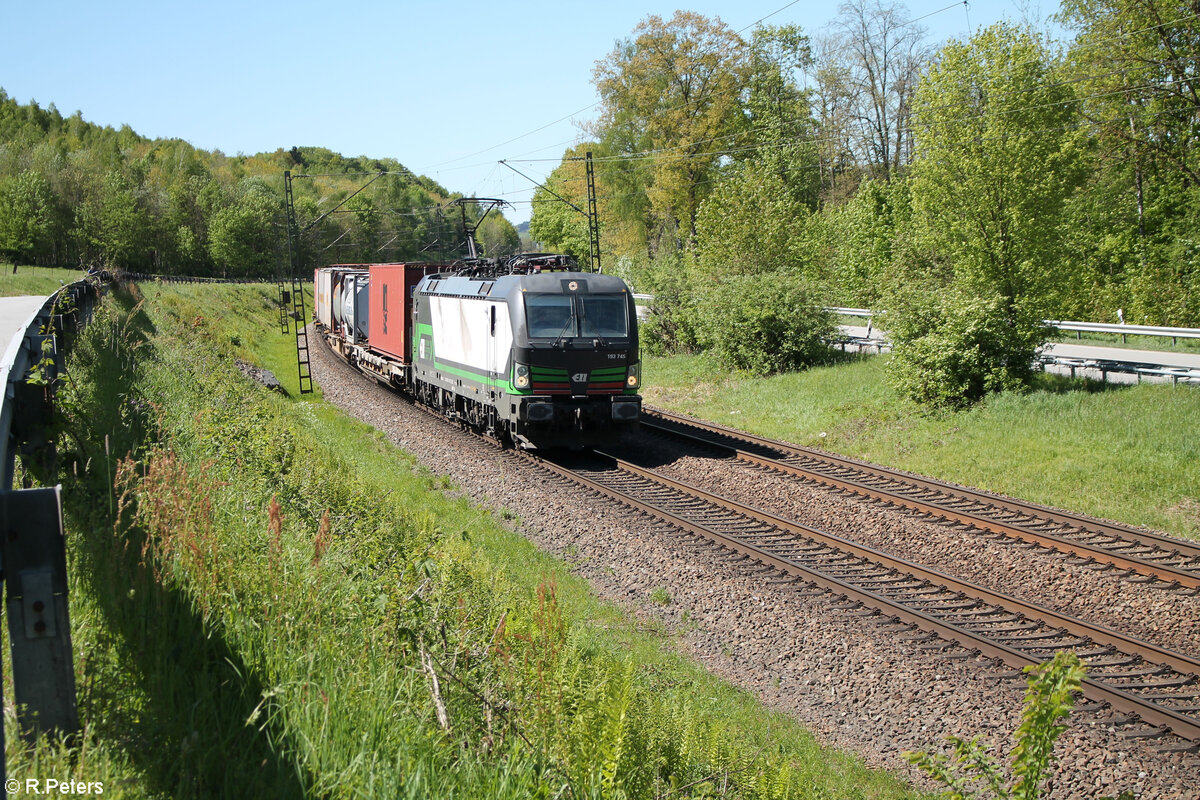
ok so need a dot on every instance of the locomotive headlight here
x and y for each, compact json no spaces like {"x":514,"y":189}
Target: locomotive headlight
{"x":521,"y":376}
{"x":633,"y":379}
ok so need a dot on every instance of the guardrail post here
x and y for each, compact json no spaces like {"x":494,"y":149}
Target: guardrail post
{"x":35,"y":576}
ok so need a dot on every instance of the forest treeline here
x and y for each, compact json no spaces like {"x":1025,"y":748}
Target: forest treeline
{"x":73,"y":193}
{"x":971,"y":189}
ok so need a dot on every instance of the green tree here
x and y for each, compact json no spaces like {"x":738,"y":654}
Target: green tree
{"x":243,"y":238}
{"x":673,"y":89}
{"x":498,"y":237}
{"x":26,"y":218}
{"x":997,"y":158}
{"x":1137,"y":228}
{"x":764,"y":324}
{"x":555,"y":225}
{"x":857,"y":244}
{"x":780,"y":128}
{"x":750,"y":224}
{"x":114,"y":228}
{"x":366,"y":230}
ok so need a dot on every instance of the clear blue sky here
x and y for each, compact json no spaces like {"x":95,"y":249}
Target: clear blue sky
{"x":447,"y":88}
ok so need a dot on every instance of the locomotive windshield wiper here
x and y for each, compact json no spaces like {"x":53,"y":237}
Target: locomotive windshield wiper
{"x":598,"y":341}
{"x":567,"y":324}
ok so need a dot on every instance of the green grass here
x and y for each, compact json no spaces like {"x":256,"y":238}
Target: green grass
{"x":35,"y":280}
{"x":268,"y":623}
{"x":1125,"y":453}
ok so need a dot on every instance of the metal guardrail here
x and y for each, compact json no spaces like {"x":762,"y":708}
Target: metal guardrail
{"x":32,"y":543}
{"x":146,"y":276}
{"x":1125,"y":330}
{"x":852,"y":312}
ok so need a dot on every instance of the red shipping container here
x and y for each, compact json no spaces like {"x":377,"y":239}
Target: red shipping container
{"x":391,"y":306}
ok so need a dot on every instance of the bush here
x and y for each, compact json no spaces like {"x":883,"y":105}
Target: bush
{"x":951,"y":349}
{"x":671,"y":326}
{"x":765,"y":324}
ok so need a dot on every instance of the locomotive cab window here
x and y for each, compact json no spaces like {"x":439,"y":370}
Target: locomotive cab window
{"x":604,"y":315}
{"x":549,"y":315}
{"x":554,"y":315}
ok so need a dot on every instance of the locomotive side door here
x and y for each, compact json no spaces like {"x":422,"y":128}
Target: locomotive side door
{"x":491,"y":352}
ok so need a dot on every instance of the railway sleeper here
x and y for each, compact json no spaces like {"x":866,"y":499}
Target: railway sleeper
{"x":1122,"y":661}
{"x":885,"y":581}
{"x":850,"y":571}
{"x":1014,"y":622}
{"x":1143,"y":733}
{"x":868,"y":580}
{"x":1182,"y":680}
{"x":1100,"y":651}
{"x":1086,"y":706}
{"x":811,"y":590}
{"x":1150,"y":672}
{"x":1038,"y":636}
{"x":924,"y":590}
{"x":976,"y":612}
{"x":939,"y":645}
{"x":1047,"y":651}
{"x":958,"y":653}
{"x":950,"y":606}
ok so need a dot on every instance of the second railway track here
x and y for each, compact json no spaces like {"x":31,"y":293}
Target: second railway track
{"x":843,"y":667}
{"x":1144,"y":556}
{"x":1154,"y":684}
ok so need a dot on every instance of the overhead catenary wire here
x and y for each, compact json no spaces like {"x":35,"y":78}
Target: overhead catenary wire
{"x":716,"y":179}
{"x":1074,"y":80}
{"x":590,"y":106}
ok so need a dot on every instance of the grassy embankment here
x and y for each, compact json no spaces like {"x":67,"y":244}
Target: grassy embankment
{"x":1125,"y":453}
{"x":289,"y":606}
{"x":34,"y":280}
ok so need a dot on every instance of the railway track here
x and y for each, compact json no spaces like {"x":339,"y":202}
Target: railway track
{"x":1142,"y":556}
{"x":1140,"y":681}
{"x":941,"y":613}
{"x":842,"y":675}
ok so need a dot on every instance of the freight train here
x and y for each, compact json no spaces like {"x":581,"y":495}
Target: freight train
{"x":529,"y":349}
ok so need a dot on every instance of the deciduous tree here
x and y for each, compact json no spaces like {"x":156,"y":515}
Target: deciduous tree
{"x":997,"y":157}
{"x":672,"y":92}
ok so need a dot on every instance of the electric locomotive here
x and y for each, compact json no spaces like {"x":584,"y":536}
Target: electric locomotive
{"x":530,"y":349}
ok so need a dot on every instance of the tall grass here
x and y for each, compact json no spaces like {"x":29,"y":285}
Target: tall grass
{"x":281,"y":604}
{"x":1125,"y":453}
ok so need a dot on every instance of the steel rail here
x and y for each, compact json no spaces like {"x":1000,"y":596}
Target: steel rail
{"x":1163,"y":572}
{"x":1123,"y":701}
{"x":1096,"y":633}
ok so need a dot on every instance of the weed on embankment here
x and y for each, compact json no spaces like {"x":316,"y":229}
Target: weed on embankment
{"x":268,"y":600}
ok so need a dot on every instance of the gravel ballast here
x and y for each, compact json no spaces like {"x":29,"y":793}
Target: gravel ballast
{"x":857,"y":683}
